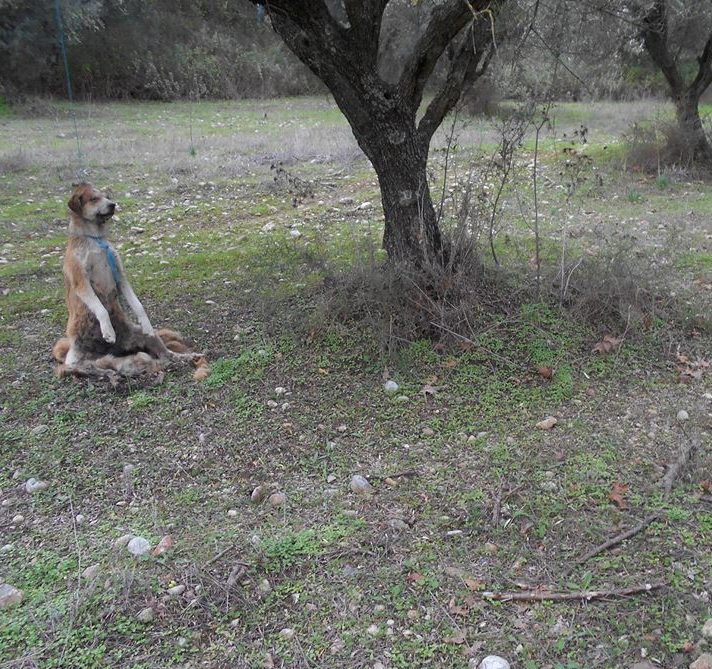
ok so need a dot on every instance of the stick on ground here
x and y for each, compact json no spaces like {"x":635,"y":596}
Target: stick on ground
{"x":619,"y":538}
{"x":587,"y":595}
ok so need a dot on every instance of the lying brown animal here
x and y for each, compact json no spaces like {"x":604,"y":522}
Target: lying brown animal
{"x":101,"y":339}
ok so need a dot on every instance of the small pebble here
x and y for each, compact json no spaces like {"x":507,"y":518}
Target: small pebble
{"x":398,"y":524}
{"x":33,"y":485}
{"x":494,"y":662}
{"x":9,"y":596}
{"x":259,"y":493}
{"x":18,"y":519}
{"x":707,"y":629}
{"x":428,"y":432}
{"x":123,"y":540}
{"x":390,"y":387}
{"x":232,"y":513}
{"x":373,"y":630}
{"x":146,"y":615}
{"x":360,"y":485}
{"x":277,"y":499}
{"x":90,"y":572}
{"x":287,"y":633}
{"x":79,"y":518}
{"x":331,"y":478}
{"x":279,"y":390}
{"x":176,"y":590}
{"x":138,"y":546}
{"x":682,"y":415}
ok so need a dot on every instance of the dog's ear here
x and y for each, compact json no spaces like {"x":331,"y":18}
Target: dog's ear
{"x":76,"y":202}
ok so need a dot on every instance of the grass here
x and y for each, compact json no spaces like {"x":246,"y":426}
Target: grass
{"x":395,"y":576}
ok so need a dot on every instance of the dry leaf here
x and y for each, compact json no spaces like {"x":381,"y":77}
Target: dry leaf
{"x":617,"y":495}
{"x":415,"y":577}
{"x":458,"y":638}
{"x":450,"y":363}
{"x":607,"y":344}
{"x":163,"y":545}
{"x":473,"y":585}
{"x":545,"y":372}
{"x":547,"y":423}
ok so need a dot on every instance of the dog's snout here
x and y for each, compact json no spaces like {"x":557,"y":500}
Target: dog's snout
{"x":111,"y":206}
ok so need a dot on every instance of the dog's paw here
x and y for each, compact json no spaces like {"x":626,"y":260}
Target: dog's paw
{"x":107,"y":332}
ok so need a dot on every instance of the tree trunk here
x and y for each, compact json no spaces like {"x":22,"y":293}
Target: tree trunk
{"x":399,"y":156}
{"x":690,"y":124}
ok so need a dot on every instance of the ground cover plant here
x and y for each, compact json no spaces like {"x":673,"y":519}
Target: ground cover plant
{"x":254,"y":228}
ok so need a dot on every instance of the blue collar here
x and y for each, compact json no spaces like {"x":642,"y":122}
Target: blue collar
{"x":110,"y":258}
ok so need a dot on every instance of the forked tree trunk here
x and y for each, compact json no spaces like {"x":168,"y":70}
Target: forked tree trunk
{"x":339,"y":41}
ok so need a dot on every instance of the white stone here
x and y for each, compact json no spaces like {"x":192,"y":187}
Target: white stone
{"x":232,"y":513}
{"x":18,"y":519}
{"x":90,"y":572}
{"x":494,"y":662}
{"x":123,"y":540}
{"x":682,"y":415}
{"x":287,"y":633}
{"x":277,"y":499}
{"x":373,"y":630}
{"x":9,"y":596}
{"x":279,"y":390}
{"x":707,"y":629}
{"x":360,"y":485}
{"x":390,"y":387}
{"x":138,"y":546}
{"x":33,"y":485}
{"x":176,"y":590}
{"x":146,"y":615}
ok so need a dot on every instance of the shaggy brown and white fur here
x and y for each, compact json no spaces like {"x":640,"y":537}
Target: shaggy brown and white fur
{"x":101,"y":340}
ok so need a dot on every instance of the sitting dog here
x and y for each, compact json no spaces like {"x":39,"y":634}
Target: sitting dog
{"x":101,"y":340}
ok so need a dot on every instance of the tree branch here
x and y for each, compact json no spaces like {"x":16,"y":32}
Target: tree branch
{"x":476,"y":48}
{"x":365,"y":19}
{"x":654,"y":29}
{"x":446,"y":21}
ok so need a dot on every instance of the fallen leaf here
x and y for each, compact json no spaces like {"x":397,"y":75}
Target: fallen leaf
{"x":607,"y":344}
{"x":545,"y":372}
{"x":450,"y":363}
{"x":164,"y":545}
{"x":547,"y":423}
{"x":617,"y":495}
{"x":473,"y":585}
{"x":458,"y":638}
{"x":457,"y":610}
{"x":415,"y":577}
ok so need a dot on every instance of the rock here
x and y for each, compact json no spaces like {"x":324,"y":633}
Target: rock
{"x":232,"y":513}
{"x":16,"y":520}
{"x":365,"y":206}
{"x":287,"y":633}
{"x":390,"y":387}
{"x":9,"y":596}
{"x":546,"y":424}
{"x":34,"y":485}
{"x":346,"y":200}
{"x":138,"y":546}
{"x":146,"y":615}
{"x":123,"y":540}
{"x":360,"y":485}
{"x":277,"y":499}
{"x":80,"y":518}
{"x":90,"y":572}
{"x":494,"y":662}
{"x":279,"y":390}
{"x":176,"y":590}
{"x":402,"y":398}
{"x":373,"y":630}
{"x":704,"y":661}
{"x":295,"y":234}
{"x":331,"y":478}
{"x":427,"y":432}
{"x":682,"y":415}
{"x":259,"y":493}
{"x":6,"y":548}
{"x":39,"y":429}
{"x":264,"y":586}
{"x":398,"y":524}
{"x":165,"y":544}
{"x":707,"y":629}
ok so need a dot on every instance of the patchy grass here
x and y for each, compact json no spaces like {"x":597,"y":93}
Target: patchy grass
{"x":468,"y":495}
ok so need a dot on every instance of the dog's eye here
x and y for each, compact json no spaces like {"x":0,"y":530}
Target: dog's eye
{"x":94,"y":199}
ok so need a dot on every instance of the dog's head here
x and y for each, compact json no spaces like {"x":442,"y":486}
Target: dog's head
{"x":91,"y":204}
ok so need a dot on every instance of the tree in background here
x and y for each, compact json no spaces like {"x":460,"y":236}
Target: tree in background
{"x":675,"y":35}
{"x":341,"y":42}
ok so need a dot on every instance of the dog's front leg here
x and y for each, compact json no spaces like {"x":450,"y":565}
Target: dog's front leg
{"x":93,"y":303}
{"x":136,"y":307}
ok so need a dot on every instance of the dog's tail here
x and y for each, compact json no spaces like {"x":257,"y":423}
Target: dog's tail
{"x":175,"y":342}
{"x":61,"y":348}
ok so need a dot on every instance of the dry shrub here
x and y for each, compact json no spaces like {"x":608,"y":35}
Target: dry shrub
{"x":13,"y":161}
{"x":661,"y":144}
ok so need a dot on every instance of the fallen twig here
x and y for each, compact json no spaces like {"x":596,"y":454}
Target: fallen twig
{"x":544,"y":595}
{"x":215,"y":558}
{"x":676,"y":468}
{"x":613,"y":542}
